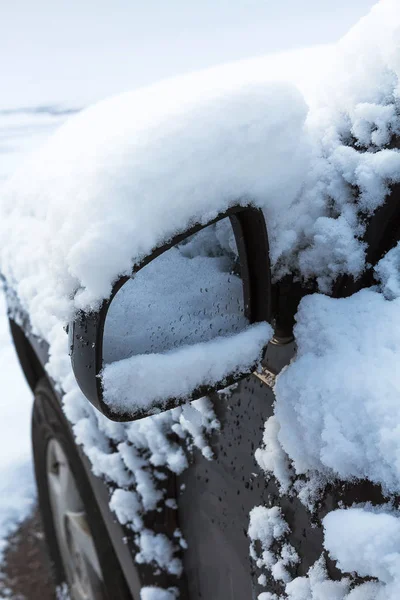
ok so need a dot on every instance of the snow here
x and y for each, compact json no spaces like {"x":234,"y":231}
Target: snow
{"x":157,"y":548}
{"x":186,"y":308}
{"x":366,"y":541}
{"x":316,"y":585}
{"x":16,"y":398}
{"x":201,"y":137}
{"x":126,"y":175}
{"x":337,"y":403}
{"x":48,"y":300}
{"x":271,"y":457}
{"x":362,"y":540}
{"x":155,"y":593}
{"x":336,"y":414}
{"x":215,"y":360}
{"x":226,"y":136}
{"x":342,"y":384}
{"x":351,"y":125}
{"x":268,"y":529}
{"x":388,"y":273}
{"x":219,"y":138}
{"x":137,"y":457}
{"x":19,"y":133}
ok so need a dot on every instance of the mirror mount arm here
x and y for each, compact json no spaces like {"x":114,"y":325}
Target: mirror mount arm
{"x":252,"y":242}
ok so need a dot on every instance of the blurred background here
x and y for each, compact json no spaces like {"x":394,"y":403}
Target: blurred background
{"x":56,"y":58}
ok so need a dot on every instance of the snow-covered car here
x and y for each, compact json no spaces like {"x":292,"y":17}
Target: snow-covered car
{"x":203,"y":288}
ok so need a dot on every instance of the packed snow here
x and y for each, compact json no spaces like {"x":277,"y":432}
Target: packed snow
{"x":218,"y":142}
{"x":215,"y":361}
{"x":338,"y":402}
{"x":366,"y":541}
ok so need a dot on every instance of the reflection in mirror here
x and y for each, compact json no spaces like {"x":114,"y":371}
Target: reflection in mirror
{"x":191,"y":293}
{"x":169,"y":329}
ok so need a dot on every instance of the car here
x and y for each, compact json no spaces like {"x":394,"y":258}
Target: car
{"x":153,"y":309}
{"x":94,"y":552}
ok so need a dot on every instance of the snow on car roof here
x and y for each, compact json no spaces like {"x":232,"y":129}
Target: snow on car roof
{"x":124,"y":176}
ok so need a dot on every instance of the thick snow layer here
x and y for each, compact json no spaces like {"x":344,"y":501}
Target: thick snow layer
{"x":130,"y":383}
{"x":124,"y":176}
{"x":219,"y":137}
{"x":337,"y":404}
{"x":366,"y":541}
{"x":352,"y":126}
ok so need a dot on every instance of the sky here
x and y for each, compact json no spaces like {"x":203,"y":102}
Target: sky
{"x":76,"y":52}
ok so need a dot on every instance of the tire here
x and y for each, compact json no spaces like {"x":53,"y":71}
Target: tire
{"x":72,"y":514}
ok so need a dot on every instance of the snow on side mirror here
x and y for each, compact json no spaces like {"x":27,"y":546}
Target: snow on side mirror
{"x":191,"y":320}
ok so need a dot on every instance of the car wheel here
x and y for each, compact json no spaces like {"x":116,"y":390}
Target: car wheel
{"x":82,"y":556}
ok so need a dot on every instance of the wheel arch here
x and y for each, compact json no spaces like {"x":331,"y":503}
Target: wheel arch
{"x":28,"y":359}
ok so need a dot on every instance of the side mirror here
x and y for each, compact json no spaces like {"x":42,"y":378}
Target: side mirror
{"x":191,"y":320}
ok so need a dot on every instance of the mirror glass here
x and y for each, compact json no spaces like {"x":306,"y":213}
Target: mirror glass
{"x":191,"y":293}
{"x":169,"y":329}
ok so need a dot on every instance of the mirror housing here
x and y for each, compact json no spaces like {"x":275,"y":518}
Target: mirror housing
{"x":87,"y":330}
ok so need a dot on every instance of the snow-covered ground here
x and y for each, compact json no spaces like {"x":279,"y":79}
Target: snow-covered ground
{"x":16,"y":476}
